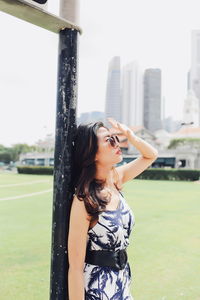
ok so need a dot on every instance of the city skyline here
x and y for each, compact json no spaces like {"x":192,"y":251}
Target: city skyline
{"x":28,"y":78}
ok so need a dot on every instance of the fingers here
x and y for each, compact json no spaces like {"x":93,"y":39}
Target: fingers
{"x":123,"y":128}
{"x":113,"y":121}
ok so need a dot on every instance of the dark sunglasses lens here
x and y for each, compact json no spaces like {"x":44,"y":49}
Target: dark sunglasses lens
{"x":117,"y":138}
{"x":113,"y":140}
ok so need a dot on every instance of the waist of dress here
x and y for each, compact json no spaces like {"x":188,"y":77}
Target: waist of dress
{"x":104,"y":258}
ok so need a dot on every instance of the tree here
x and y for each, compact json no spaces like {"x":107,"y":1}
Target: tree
{"x":8,"y":154}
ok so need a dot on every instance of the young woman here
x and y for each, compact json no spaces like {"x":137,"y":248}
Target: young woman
{"x":100,"y":219}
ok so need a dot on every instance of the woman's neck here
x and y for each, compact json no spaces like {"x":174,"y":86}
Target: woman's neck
{"x":106,"y":175}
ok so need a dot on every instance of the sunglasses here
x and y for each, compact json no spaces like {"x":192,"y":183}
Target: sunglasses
{"x":113,"y":140}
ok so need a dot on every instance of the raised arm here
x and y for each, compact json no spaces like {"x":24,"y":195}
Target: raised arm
{"x":146,"y":158}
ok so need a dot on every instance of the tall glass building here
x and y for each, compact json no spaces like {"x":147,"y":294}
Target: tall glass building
{"x":112,"y":104}
{"x":152,"y":99}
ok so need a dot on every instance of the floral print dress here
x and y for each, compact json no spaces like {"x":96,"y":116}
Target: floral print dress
{"x":111,"y":232}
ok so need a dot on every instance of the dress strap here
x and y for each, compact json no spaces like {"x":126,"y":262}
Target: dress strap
{"x":121,"y":193}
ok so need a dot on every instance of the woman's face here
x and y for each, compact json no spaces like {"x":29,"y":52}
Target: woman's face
{"x":106,"y":154}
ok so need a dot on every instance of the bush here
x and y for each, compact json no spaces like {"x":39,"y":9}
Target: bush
{"x":170,"y":174}
{"x":35,"y":170}
{"x":150,"y":173}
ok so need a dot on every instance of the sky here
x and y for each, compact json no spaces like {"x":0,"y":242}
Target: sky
{"x":155,"y":33}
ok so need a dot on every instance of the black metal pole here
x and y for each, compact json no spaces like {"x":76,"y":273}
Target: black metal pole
{"x":63,"y":191}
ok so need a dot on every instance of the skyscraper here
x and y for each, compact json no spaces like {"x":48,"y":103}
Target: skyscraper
{"x":195,"y":64}
{"x":112,"y":105}
{"x":132,"y":95}
{"x":152,"y":99}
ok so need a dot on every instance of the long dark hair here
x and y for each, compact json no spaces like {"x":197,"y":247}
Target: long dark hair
{"x":86,"y":187}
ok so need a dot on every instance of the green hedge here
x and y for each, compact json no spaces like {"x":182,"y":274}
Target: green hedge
{"x":170,"y":174}
{"x":150,"y":173}
{"x":35,"y":170}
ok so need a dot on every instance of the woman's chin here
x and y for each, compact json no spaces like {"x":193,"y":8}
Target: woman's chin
{"x":120,"y":158}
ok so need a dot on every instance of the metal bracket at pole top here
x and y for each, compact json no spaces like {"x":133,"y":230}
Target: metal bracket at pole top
{"x":36,"y":15}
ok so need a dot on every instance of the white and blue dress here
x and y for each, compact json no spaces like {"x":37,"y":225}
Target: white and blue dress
{"x":111,"y":232}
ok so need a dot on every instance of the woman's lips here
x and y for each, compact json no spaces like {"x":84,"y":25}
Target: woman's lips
{"x":119,"y":152}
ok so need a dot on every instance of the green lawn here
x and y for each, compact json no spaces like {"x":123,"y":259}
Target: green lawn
{"x":164,"y":244}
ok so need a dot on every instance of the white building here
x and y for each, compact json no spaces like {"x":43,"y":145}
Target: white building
{"x":194,"y":76}
{"x":191,"y":109}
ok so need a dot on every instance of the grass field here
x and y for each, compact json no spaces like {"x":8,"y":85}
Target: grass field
{"x":164,"y":250}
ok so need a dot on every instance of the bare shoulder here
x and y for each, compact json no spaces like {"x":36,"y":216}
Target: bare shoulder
{"x":78,"y":209}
